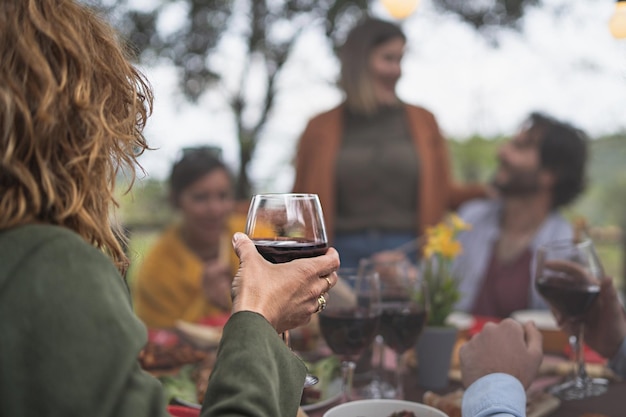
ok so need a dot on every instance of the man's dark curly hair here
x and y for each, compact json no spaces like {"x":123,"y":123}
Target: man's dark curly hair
{"x":562,"y":150}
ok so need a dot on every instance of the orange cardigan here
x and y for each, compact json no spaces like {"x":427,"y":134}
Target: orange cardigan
{"x":437,"y":193}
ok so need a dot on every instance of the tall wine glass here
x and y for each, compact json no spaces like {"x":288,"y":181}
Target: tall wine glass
{"x":350,"y":321}
{"x":404,"y":308}
{"x":567,"y":277}
{"x":285,"y":227}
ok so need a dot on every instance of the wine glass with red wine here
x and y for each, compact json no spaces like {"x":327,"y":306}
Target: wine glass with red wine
{"x":285,"y":227}
{"x":404,"y":309}
{"x":567,"y":276}
{"x":350,"y":321}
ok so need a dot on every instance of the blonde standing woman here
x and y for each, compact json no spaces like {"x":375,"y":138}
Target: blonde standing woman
{"x":72,"y":111}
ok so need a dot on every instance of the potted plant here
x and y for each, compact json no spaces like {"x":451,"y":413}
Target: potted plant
{"x":435,"y":346}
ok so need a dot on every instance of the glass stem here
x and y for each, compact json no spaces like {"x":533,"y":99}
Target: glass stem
{"x":399,"y":376}
{"x":581,"y":372}
{"x":379,"y":367}
{"x":347,"y":374}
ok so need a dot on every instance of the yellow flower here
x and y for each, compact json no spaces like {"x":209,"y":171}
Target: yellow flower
{"x":440,"y":249}
{"x":441,"y":239}
{"x":458,"y":224}
{"x":450,"y":249}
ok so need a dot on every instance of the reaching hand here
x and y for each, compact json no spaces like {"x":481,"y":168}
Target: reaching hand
{"x":285,"y":294}
{"x":507,"y":347}
{"x":605,"y":323}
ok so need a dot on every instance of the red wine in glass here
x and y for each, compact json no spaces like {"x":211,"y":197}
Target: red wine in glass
{"x":401,"y":325}
{"x":570,"y":299}
{"x":348,"y":332}
{"x":285,"y":250}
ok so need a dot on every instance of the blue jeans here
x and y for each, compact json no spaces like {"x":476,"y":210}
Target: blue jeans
{"x":352,"y":247}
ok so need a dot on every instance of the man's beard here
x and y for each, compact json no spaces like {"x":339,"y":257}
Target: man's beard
{"x":520,"y":183}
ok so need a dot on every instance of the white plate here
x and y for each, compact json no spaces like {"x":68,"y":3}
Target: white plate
{"x":544,"y":320}
{"x":331,"y":394}
{"x":460,"y":320}
{"x":378,"y":408}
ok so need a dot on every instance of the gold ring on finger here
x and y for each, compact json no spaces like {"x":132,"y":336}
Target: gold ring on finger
{"x":330,"y":285}
{"x":321,"y":303}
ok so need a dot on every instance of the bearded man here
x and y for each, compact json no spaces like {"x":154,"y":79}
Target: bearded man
{"x":540,"y":170}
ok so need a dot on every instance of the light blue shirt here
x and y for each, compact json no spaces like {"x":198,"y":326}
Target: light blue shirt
{"x":503,"y":395}
{"x":495,"y":395}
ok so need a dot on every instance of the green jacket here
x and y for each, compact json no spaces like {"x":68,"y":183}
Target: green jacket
{"x":69,"y":341}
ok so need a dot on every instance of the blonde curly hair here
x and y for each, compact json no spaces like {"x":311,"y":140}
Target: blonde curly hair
{"x":72,"y":112}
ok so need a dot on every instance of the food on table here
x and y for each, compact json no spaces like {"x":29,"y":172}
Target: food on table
{"x":180,"y":385}
{"x":403,"y":414}
{"x":310,"y":395}
{"x":200,"y":335}
{"x":448,"y":403}
{"x":538,"y":403}
{"x":200,"y":376}
{"x":155,"y":356}
{"x":326,"y":370}
{"x":190,"y":381}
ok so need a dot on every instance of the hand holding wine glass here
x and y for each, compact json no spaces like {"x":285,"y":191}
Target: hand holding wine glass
{"x":283,"y":294}
{"x":285,"y":227}
{"x":568,"y":276}
{"x":350,"y":323}
{"x":605,"y":323}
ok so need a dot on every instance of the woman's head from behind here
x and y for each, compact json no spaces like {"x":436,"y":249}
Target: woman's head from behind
{"x":370,"y":64}
{"x":201,"y":189}
{"x":72,"y":109}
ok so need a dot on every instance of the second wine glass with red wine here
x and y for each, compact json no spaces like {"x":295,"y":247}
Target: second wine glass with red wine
{"x":567,"y":276}
{"x":350,"y":322}
{"x":285,"y":227}
{"x":404,"y":309}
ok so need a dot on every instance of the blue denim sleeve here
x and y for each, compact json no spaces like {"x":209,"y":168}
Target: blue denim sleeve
{"x":495,"y":395}
{"x":618,"y":362}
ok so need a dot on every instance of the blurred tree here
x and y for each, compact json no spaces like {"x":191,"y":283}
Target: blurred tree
{"x":269,"y":30}
{"x":487,"y":14}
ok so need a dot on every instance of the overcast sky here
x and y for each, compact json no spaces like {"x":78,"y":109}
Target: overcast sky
{"x":565,"y":63}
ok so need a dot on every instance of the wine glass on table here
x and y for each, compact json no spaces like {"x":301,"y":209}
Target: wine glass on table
{"x":285,"y":227}
{"x":404,"y":309}
{"x":350,"y":321}
{"x":567,"y":276}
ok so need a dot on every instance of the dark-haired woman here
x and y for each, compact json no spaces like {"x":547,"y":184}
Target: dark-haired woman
{"x":187,"y":274}
{"x":379,"y":166}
